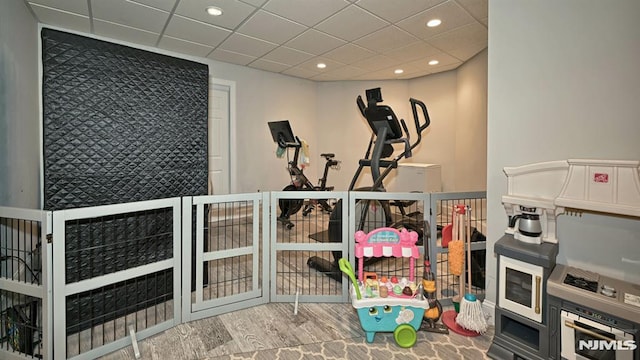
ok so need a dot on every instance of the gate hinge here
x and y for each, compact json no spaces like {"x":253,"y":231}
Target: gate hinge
{"x":49,"y":238}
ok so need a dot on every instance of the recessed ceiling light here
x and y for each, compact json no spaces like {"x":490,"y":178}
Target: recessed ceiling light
{"x":321,"y":65}
{"x":398,"y":71}
{"x":434,"y":22}
{"x":434,"y":62}
{"x":214,"y":11}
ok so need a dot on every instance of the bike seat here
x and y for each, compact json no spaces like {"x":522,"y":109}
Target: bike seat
{"x":328,"y":156}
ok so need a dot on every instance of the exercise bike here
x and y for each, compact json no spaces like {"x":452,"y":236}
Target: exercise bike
{"x":283,"y":135}
{"x":386,"y":131}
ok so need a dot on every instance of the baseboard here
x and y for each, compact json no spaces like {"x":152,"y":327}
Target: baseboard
{"x":489,"y":309}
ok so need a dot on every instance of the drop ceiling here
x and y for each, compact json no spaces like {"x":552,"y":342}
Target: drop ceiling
{"x":356,"y":39}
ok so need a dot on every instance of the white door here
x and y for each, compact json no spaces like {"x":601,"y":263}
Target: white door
{"x":221,"y":125}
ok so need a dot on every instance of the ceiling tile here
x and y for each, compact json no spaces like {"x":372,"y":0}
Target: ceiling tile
{"x":130,"y":14}
{"x":184,"y":47}
{"x":345,"y":72}
{"x":166,"y":5}
{"x":269,"y":65}
{"x":311,"y":65}
{"x":444,"y":68}
{"x":376,"y":63}
{"x":75,"y":6}
{"x":393,"y":12}
{"x":463,"y":36}
{"x":451,"y":14}
{"x":348,"y":54}
{"x":285,"y":55}
{"x":195,"y":31}
{"x":231,"y":57}
{"x":479,"y":9}
{"x":269,"y":27}
{"x":256,"y":3}
{"x":300,"y":72}
{"x":351,"y":23}
{"x":314,"y":42}
{"x":386,"y":73}
{"x":247,"y":45}
{"x":406,"y":76}
{"x":124,"y":33}
{"x":234,"y":12}
{"x":310,"y":14}
{"x":386,"y":39}
{"x":62,"y":18}
{"x":416,"y":50}
{"x":423,"y":64}
{"x":467,"y":52}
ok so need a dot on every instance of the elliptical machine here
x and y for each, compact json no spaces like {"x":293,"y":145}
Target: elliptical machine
{"x":386,"y":131}
{"x":283,"y":135}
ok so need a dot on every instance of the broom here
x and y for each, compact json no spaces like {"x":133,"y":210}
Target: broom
{"x":471,"y":316}
{"x":456,"y":251}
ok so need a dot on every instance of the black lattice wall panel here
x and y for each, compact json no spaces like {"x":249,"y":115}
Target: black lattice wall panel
{"x":120,"y":124}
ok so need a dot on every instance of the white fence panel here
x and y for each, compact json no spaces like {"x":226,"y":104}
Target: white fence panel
{"x":25,"y":278}
{"x":231,"y":264}
{"x":301,"y":238}
{"x":119,"y":273}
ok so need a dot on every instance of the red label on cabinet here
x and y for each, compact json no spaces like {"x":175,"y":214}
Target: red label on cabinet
{"x":601,"y":177}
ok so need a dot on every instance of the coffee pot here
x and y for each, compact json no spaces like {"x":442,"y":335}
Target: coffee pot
{"x":528,"y":222}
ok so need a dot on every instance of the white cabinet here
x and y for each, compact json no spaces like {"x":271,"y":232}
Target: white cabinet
{"x":420,"y":177}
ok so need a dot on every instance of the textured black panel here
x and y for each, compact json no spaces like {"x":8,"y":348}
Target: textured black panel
{"x":120,"y":124}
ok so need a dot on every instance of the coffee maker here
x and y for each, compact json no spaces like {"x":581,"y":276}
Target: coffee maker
{"x":529,"y":227}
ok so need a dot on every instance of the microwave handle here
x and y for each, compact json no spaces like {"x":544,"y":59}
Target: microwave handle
{"x":537,"y":308}
{"x":570,"y":324}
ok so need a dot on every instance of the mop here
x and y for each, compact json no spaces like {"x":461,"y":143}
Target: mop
{"x":471,"y":315}
{"x":456,"y":267}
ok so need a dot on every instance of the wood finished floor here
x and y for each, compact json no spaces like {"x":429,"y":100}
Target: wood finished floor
{"x":318,"y":331}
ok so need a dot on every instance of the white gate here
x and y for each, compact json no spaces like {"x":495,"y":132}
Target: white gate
{"x":25,"y":280}
{"x":303,"y":239}
{"x":227,"y":253}
{"x":117,"y":275}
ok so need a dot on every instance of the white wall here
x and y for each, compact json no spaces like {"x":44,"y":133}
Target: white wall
{"x":262,"y":97}
{"x":471,"y":125}
{"x":19,"y":96}
{"x":439,"y":94}
{"x":564,"y":83}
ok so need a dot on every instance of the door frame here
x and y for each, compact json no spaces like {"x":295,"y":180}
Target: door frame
{"x":231,"y":133}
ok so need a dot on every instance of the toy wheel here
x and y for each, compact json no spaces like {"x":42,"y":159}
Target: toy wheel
{"x":405,"y":336}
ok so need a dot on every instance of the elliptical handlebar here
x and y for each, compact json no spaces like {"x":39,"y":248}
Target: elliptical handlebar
{"x":416,"y":118}
{"x":361,"y":105}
